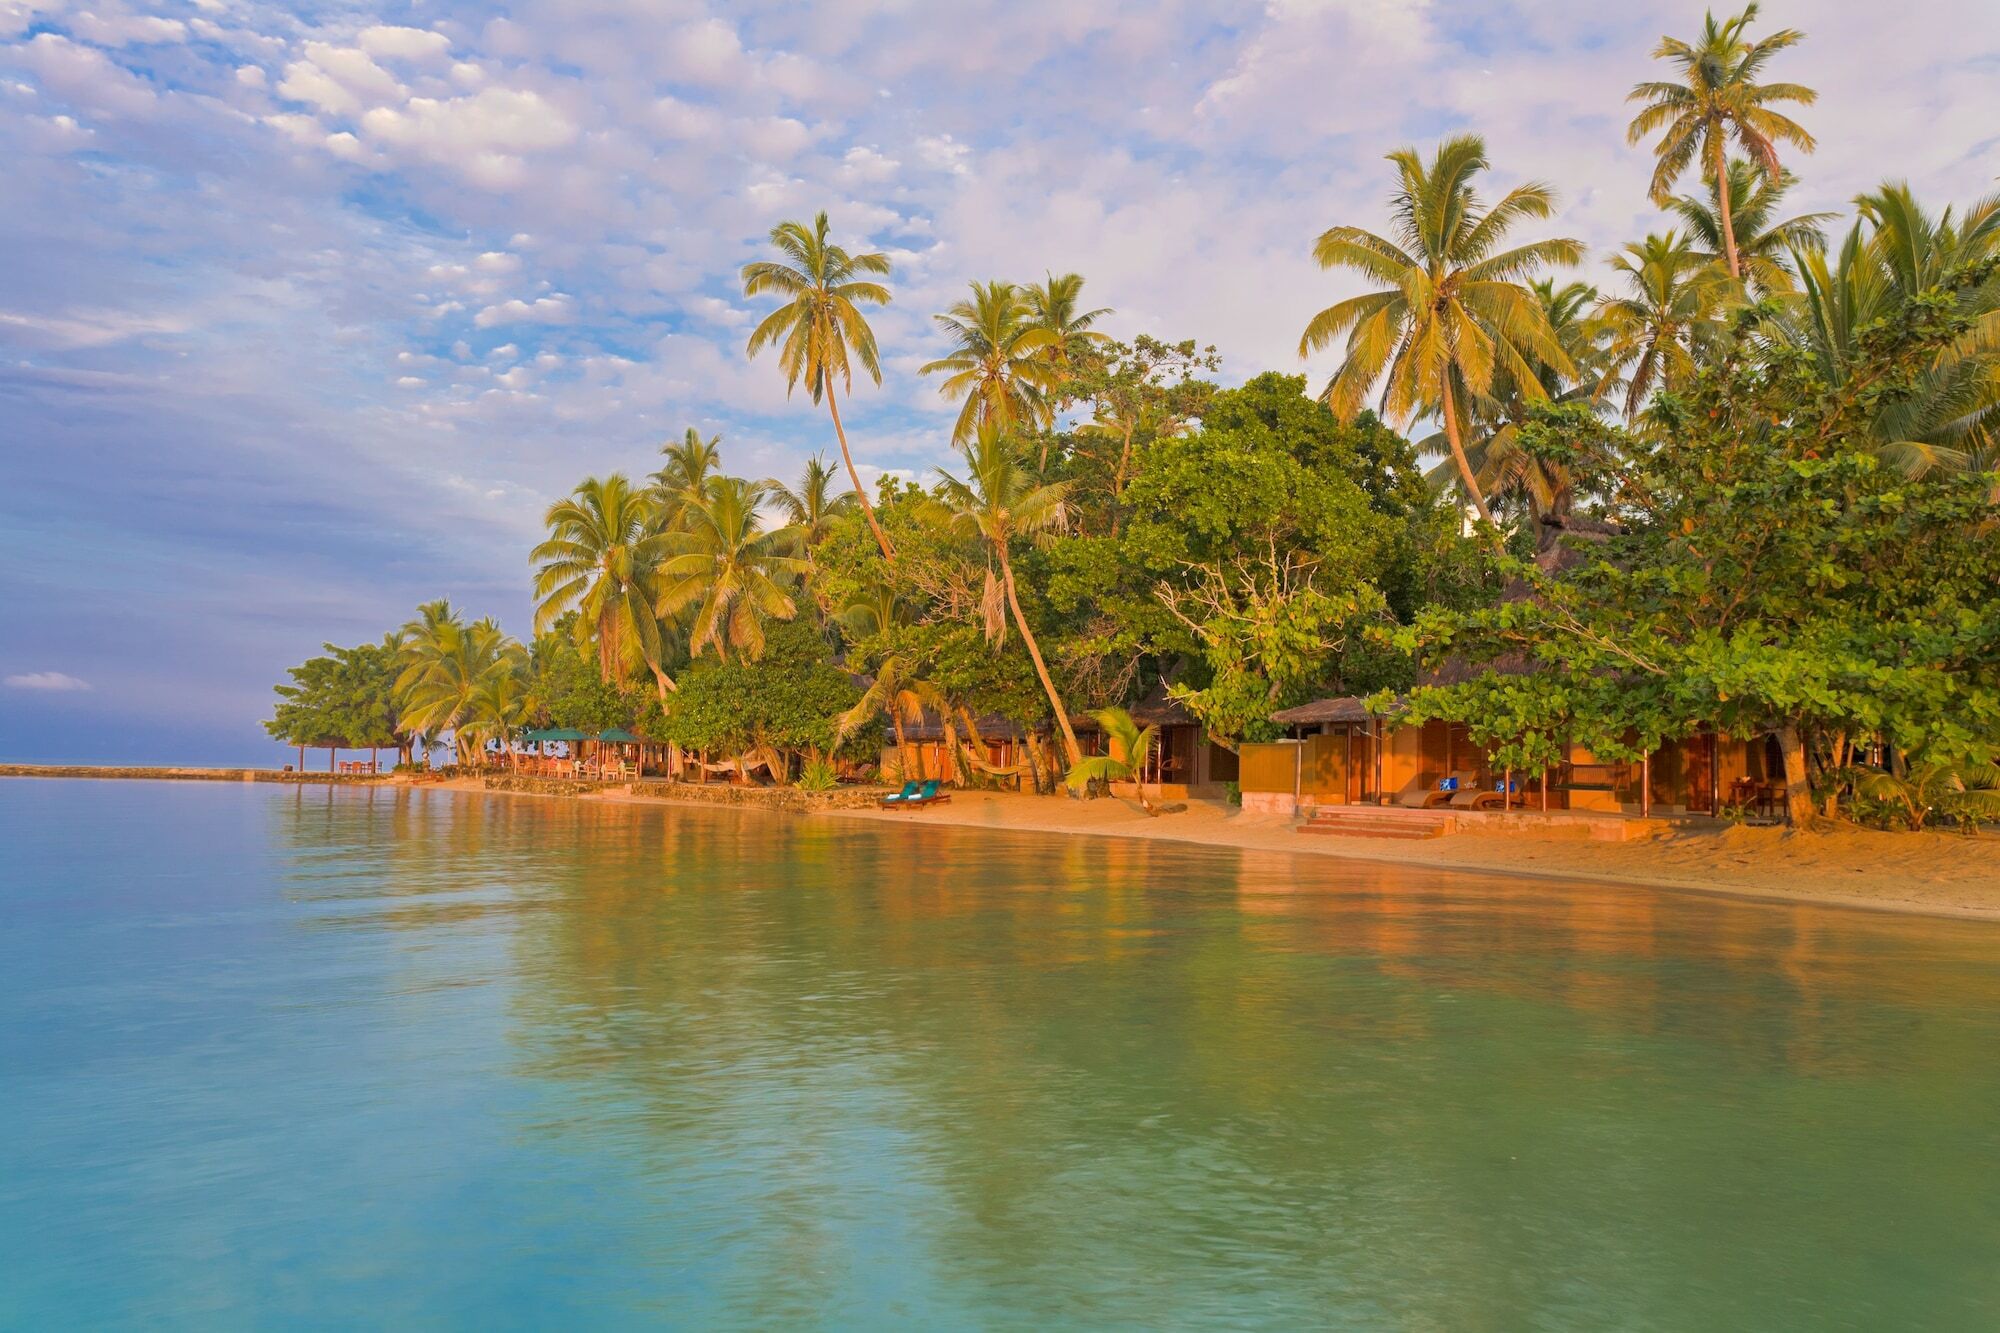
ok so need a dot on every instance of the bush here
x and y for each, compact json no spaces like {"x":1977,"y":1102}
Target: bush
{"x":818,"y":774}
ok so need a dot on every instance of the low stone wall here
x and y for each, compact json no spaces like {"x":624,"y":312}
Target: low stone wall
{"x":539,"y":786}
{"x":793,"y":799}
{"x":170,"y":774}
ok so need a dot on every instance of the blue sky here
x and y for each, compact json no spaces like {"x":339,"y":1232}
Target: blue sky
{"x":308,"y":311}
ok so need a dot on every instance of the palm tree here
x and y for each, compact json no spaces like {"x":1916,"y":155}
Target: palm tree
{"x":811,"y":506}
{"x":603,"y":557}
{"x":905,"y":696}
{"x":1719,"y":99}
{"x":998,"y":363}
{"x":447,"y":665}
{"x":1761,"y":243}
{"x":726,"y":568}
{"x":999,"y":500}
{"x":691,"y":463}
{"x":1452,"y":313}
{"x":818,"y":326}
{"x":1948,"y":418}
{"x":1052,"y":307}
{"x":1130,"y":744}
{"x":1669,"y":321}
{"x":500,"y":705}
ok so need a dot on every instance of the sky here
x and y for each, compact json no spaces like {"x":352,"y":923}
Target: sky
{"x":309,"y":311}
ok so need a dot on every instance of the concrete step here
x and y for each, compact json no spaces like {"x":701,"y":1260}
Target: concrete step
{"x":1374,"y":822}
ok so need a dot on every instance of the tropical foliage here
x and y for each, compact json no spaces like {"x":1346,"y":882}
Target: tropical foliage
{"x":1782,"y":450}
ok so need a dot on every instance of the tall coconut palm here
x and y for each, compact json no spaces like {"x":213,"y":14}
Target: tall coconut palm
{"x":1763,"y":241}
{"x":998,"y":363}
{"x":1668,"y":321}
{"x":1948,"y":417}
{"x":900,"y":691}
{"x":446,"y":666}
{"x":500,"y":705}
{"x":1000,"y":500}
{"x":811,"y":505}
{"x":1452,"y":313}
{"x":731,"y":573}
{"x":1719,"y":100}
{"x":819,"y":331}
{"x":691,"y":463}
{"x":602,"y":557}
{"x":1053,"y":306}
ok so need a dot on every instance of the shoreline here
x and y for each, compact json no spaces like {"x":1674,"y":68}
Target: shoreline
{"x":1971,"y":892}
{"x":1922,"y":874}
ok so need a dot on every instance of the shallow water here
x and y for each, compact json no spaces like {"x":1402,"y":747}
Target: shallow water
{"x":311,"y":1058}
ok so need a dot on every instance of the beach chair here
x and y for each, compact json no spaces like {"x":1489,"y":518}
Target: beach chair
{"x":1476,"y":797}
{"x":899,"y":797}
{"x":932,"y":794}
{"x":1446,"y":792}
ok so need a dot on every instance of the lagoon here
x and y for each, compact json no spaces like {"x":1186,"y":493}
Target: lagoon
{"x":316,"y":1057}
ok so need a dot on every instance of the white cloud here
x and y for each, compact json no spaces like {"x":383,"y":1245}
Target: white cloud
{"x":482,"y":136}
{"x":126,"y":30}
{"x":393,"y":43}
{"x":339,"y":80}
{"x":50,"y":682}
{"x":553,"y":309}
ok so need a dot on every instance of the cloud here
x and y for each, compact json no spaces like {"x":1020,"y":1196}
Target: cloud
{"x":393,"y":43}
{"x":49,"y":682}
{"x":339,"y":80}
{"x":553,"y":309}
{"x":126,"y":30}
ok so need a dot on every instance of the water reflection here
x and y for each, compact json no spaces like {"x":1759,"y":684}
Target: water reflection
{"x":616,"y":1063}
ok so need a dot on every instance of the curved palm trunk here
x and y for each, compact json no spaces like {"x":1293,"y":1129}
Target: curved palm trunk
{"x":662,"y":681}
{"x":1075,"y":751}
{"x":860,"y":492}
{"x":1450,"y":409}
{"x":1722,"y":199}
{"x":902,"y":743}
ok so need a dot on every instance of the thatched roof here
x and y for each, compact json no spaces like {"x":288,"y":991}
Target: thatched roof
{"x":1347,"y":708}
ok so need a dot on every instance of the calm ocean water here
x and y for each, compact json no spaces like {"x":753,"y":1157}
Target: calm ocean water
{"x":307,"y":1058}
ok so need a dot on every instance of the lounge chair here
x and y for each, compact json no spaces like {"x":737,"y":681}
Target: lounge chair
{"x":901,"y":797}
{"x":1426,"y":799}
{"x":1482,"y":798}
{"x":930,"y":795}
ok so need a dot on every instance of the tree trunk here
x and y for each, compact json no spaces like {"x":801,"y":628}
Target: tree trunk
{"x":1724,"y":210}
{"x":1450,"y":412}
{"x":860,"y":491}
{"x":1074,"y":751}
{"x":662,"y":681}
{"x":902,"y":743}
{"x":1034,"y":749}
{"x":952,"y":772}
{"x":1798,"y":789}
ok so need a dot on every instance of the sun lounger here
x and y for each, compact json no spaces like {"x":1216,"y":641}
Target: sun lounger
{"x":1463,"y":781}
{"x":900,"y":797}
{"x":930,"y":795}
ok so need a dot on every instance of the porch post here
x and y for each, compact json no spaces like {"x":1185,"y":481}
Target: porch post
{"x":1646,"y":785}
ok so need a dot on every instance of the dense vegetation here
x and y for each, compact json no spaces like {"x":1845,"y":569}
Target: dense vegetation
{"x":1780,"y":434}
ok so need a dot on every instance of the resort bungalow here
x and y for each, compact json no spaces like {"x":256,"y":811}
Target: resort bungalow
{"x":1342,"y":754}
{"x":1184,"y":763}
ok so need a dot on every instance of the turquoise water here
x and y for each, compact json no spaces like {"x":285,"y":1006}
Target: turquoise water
{"x":305,"y":1058}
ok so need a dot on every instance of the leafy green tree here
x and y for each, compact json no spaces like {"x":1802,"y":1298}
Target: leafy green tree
{"x":1139,"y":392}
{"x":1717,"y":100}
{"x":820,"y":326}
{"x":1777,"y":578}
{"x":790,"y":700}
{"x":1452,"y":312}
{"x":344,"y":698}
{"x":572,"y":693}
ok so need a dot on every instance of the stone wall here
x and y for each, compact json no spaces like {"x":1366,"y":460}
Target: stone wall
{"x":794,"y":799}
{"x":539,"y":786}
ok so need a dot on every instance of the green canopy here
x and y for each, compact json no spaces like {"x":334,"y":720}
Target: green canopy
{"x":553,"y":734}
{"x":618,"y":736}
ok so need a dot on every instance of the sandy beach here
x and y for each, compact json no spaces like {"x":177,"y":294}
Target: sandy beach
{"x":1938,"y":874}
